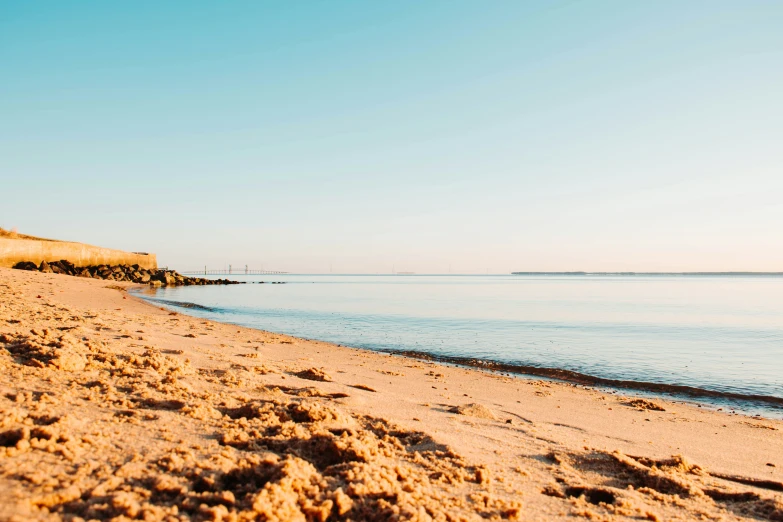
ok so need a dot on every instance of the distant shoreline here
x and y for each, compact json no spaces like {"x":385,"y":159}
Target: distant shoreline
{"x":683,"y":274}
{"x":574,"y":274}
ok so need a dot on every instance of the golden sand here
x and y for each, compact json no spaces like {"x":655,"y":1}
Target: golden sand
{"x":111,"y":408}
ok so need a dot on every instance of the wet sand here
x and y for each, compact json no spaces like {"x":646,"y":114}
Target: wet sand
{"x":111,"y":407}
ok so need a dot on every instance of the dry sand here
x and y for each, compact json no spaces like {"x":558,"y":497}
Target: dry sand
{"x":113,"y":408}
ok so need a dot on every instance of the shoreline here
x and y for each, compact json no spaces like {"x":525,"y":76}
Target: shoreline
{"x":148,"y":396}
{"x":771,"y":407}
{"x":661,"y":390}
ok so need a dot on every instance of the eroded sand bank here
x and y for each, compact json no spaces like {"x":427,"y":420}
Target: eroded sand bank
{"x":111,"y":407}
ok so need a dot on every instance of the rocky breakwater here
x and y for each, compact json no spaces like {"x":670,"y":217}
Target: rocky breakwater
{"x":126,"y":273}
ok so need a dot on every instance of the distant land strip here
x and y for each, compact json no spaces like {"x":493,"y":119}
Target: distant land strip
{"x":650,"y":273}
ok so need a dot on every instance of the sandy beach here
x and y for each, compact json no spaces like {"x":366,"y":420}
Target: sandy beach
{"x":111,"y":408}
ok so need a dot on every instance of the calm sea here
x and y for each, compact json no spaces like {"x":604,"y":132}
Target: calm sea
{"x":712,"y":338}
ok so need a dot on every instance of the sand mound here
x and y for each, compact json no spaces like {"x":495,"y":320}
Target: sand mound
{"x":474,"y":410}
{"x":314,"y":374}
{"x":623,"y":484}
{"x":45,"y":348}
{"x":363,"y":387}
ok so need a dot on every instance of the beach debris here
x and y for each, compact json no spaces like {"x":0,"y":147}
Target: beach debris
{"x":474,"y":410}
{"x":391,"y":373}
{"x":644,"y":404}
{"x":760,"y":426}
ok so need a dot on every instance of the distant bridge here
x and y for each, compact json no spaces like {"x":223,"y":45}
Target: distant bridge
{"x":233,"y":271}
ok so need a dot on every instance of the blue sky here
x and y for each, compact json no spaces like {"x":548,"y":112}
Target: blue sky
{"x":485,"y":136}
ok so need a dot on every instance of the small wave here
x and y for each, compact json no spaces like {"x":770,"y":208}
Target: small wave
{"x":588,"y":380}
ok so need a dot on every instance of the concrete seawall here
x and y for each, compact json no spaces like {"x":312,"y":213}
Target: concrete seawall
{"x":13,"y":251}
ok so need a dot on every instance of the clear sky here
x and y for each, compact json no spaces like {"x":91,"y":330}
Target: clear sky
{"x":420,"y":135}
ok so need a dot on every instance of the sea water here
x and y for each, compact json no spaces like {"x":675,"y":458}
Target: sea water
{"x":719,"y":334}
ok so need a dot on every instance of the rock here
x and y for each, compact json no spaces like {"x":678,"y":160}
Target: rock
{"x":133,"y":273}
{"x":26,"y":265}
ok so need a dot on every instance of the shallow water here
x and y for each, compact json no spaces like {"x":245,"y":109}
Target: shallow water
{"x":722,"y":334}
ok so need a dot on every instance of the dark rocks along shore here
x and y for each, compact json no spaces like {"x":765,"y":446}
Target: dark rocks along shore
{"x":127,"y":273}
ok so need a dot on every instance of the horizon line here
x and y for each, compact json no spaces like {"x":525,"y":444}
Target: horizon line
{"x":567,"y":273}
